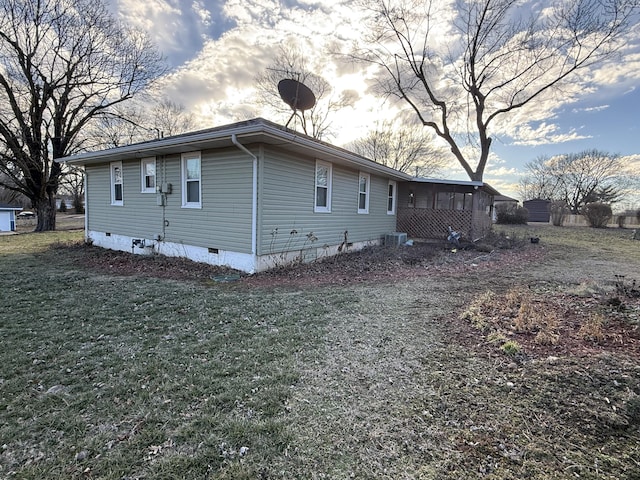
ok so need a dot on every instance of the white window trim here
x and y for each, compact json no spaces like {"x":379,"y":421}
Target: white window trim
{"x":183,"y":169}
{"x":329,"y":167}
{"x":364,"y":210}
{"x":394,"y":198}
{"x":112,"y":166}
{"x":143,"y":163}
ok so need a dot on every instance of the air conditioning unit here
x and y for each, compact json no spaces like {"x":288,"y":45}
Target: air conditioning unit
{"x":395,"y":239}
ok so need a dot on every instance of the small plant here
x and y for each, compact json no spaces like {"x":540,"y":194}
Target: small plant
{"x":511,"y":347}
{"x":597,"y":214}
{"x":593,"y":328}
{"x":479,"y":312}
{"x":559,"y":211}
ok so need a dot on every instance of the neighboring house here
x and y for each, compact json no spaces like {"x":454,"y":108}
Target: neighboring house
{"x":538,"y":209}
{"x":251,"y":196}
{"x":8,"y":217}
{"x":427,"y":207}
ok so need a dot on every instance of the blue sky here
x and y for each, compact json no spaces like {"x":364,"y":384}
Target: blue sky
{"x":216,"y":48}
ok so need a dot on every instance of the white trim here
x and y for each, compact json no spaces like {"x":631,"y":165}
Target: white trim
{"x":143,"y":174}
{"x":244,"y":262}
{"x":393,"y":198}
{"x":183,"y":169}
{"x":367,"y":192}
{"x":329,"y":167}
{"x":112,"y":167}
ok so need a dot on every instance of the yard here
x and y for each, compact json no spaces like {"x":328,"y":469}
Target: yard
{"x":409,"y":364}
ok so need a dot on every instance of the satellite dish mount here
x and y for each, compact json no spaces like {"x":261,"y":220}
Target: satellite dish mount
{"x":299,"y":97}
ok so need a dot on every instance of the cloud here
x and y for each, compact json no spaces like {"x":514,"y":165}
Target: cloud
{"x":178,"y":28}
{"x":543,"y":134}
{"x":591,"y":109}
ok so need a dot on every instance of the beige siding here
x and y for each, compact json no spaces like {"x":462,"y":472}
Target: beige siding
{"x":286,"y":196}
{"x":223,"y":222}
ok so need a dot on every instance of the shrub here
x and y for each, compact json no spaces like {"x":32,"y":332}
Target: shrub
{"x":559,"y":211}
{"x":597,"y":214}
{"x":511,"y":347}
{"x":509,"y":214}
{"x":63,"y":206}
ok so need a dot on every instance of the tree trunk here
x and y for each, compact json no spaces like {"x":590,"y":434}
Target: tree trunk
{"x":46,"y":212}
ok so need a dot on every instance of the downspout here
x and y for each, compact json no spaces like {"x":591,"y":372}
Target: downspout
{"x":86,"y":205}
{"x":254,"y":200}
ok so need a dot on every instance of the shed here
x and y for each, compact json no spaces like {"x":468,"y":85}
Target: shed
{"x":538,"y":210}
{"x":8,"y":217}
{"x":251,"y":195}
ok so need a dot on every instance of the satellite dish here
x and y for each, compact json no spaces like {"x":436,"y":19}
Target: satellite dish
{"x":296,"y":94}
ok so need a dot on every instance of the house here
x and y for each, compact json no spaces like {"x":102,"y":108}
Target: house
{"x":254,"y":195}
{"x":251,"y":196}
{"x":8,"y":217}
{"x":538,"y":210}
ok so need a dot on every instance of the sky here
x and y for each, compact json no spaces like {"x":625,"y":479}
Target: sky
{"x":215,"y":49}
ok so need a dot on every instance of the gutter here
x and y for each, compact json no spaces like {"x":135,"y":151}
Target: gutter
{"x":254,"y":199}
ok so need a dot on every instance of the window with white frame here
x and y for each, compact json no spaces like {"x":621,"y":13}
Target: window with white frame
{"x":191,"y":180}
{"x":323,"y":187}
{"x":363,"y":193}
{"x":148,"y":172}
{"x":391,"y":198}
{"x":116,"y":183}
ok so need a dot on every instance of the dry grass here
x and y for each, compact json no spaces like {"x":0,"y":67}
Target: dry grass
{"x":108,"y":376}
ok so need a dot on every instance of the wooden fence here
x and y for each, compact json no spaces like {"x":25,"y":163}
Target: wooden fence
{"x":580,"y":221}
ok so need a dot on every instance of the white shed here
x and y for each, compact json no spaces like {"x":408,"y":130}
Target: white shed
{"x":8,"y":217}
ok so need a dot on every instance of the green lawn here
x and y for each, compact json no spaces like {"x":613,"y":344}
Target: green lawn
{"x":127,"y":377}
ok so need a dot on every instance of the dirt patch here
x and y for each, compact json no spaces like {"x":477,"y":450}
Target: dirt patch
{"x":579,"y":321}
{"x":372,"y":264}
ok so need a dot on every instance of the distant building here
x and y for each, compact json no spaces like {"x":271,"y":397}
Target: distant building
{"x":8,"y":217}
{"x":538,"y":209}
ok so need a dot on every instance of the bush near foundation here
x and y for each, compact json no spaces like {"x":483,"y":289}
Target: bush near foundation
{"x":597,"y":214}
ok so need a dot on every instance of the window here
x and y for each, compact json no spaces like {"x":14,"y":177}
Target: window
{"x":148,"y":167}
{"x":191,"y":191}
{"x":444,"y":200}
{"x":391,"y":199}
{"x":116,"y":183}
{"x":323,"y":187}
{"x":363,"y":193}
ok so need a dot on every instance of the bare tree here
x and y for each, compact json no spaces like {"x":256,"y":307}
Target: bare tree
{"x":63,"y":64}
{"x":463,"y":65}
{"x":407,"y":148}
{"x":72,"y":183}
{"x":292,"y":63}
{"x":540,"y":181}
{"x":127,"y":124}
{"x":576,"y":179}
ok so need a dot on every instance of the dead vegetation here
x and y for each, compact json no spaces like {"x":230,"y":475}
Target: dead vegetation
{"x":355,"y":367}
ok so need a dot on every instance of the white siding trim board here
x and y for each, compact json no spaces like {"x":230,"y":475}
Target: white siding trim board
{"x":224,"y":258}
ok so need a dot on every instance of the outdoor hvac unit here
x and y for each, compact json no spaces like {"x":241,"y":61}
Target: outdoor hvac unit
{"x":395,"y":239}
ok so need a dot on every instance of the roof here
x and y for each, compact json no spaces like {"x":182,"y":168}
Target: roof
{"x":257,"y":130}
{"x":472,"y":183}
{"x":6,"y":206}
{"x":504,"y":198}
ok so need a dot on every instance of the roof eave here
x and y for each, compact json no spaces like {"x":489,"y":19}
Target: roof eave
{"x":258,"y":130}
